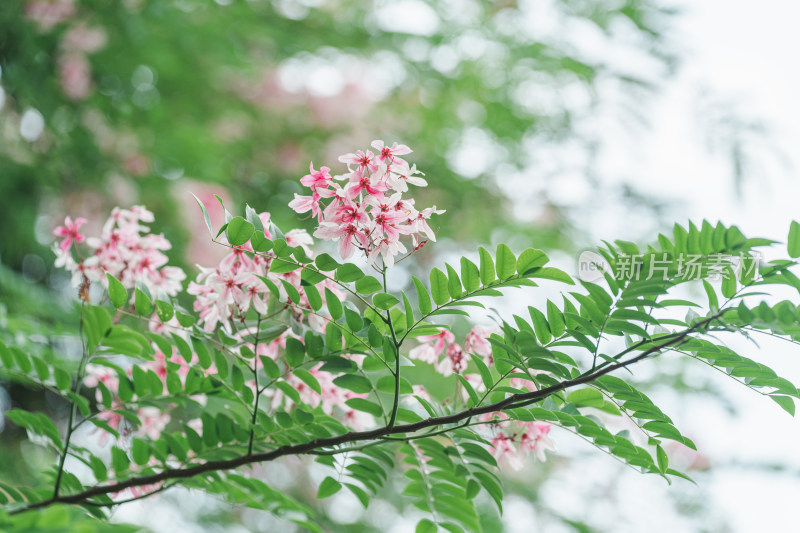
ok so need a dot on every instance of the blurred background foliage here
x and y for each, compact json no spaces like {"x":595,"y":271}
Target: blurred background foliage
{"x":144,"y":101}
{"x":136,"y":101}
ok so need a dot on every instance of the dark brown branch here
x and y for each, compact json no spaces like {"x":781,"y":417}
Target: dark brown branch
{"x":515,"y":400}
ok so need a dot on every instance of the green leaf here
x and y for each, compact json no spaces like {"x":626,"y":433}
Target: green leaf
{"x":328,"y":488}
{"x":164,"y":310}
{"x":313,"y":297}
{"x":409,"y":312}
{"x":794,"y":240}
{"x":439,"y":286}
{"x":291,"y":291}
{"x":326,"y":263}
{"x":384,"y":301}
{"x":366,"y":406}
{"x":368,"y":285}
{"x":662,"y":458}
{"x":119,"y":460}
{"x":184,"y":318}
{"x":425,"y":526}
{"x":348,"y":272}
{"x":295,"y":352}
{"x":260,"y":242}
{"x":353,"y":319}
{"x":786,"y":403}
{"x":333,"y":336}
{"x":529,"y":259}
{"x":144,"y":306}
{"x":117,"y":292}
{"x":387,"y":384}
{"x":540,"y":325}
{"x":728,"y":288}
{"x":239,"y":231}
{"x":586,"y":398}
{"x":203,"y":357}
{"x":205,"y":216}
{"x":470,"y":275}
{"x":473,"y":396}
{"x":506,"y":262}
{"x":423,"y":298}
{"x":487,"y":267}
{"x":713,"y":302}
{"x":301,"y":257}
{"x":453,"y":283}
{"x":282,"y":266}
{"x":354,"y":382}
{"x":271,"y":368}
{"x":333,"y":303}
{"x":62,"y":377}
{"x":282,"y":249}
{"x":555,"y":319}
{"x":552,"y":273}
{"x":486,"y":375}
{"x":140,"y":452}
{"x":308,"y":378}
{"x":311,"y":276}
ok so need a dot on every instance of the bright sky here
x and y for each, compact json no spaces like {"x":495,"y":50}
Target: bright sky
{"x":744,"y":54}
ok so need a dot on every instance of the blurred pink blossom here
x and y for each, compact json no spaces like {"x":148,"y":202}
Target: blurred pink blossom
{"x":48,"y":13}
{"x":82,"y":38}
{"x":74,"y":74}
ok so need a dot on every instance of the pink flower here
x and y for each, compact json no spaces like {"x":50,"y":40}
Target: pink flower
{"x":477,"y":342}
{"x":71,"y":232}
{"x":345,"y":234}
{"x":536,"y":439}
{"x":440,"y":340}
{"x":317,"y":178}
{"x":503,"y":449}
{"x":360,"y":158}
{"x":299,"y":237}
{"x":303,"y":204}
{"x":454,"y":363}
{"x":363,"y":182}
{"x":348,"y":212}
{"x":387,"y":249}
{"x":153,"y":422}
{"x":399,"y":178}
{"x":424,"y":353}
{"x":387,"y":154}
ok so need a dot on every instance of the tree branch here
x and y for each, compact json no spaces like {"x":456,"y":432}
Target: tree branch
{"x":513,"y":401}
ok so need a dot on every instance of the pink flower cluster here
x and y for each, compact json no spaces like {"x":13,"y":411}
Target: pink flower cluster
{"x":230,"y":290}
{"x":125,"y":249}
{"x":528,"y":437}
{"x":367,"y":211}
{"x":455,"y":357}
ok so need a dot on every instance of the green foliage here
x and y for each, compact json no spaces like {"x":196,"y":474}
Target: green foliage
{"x":568,"y":353}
